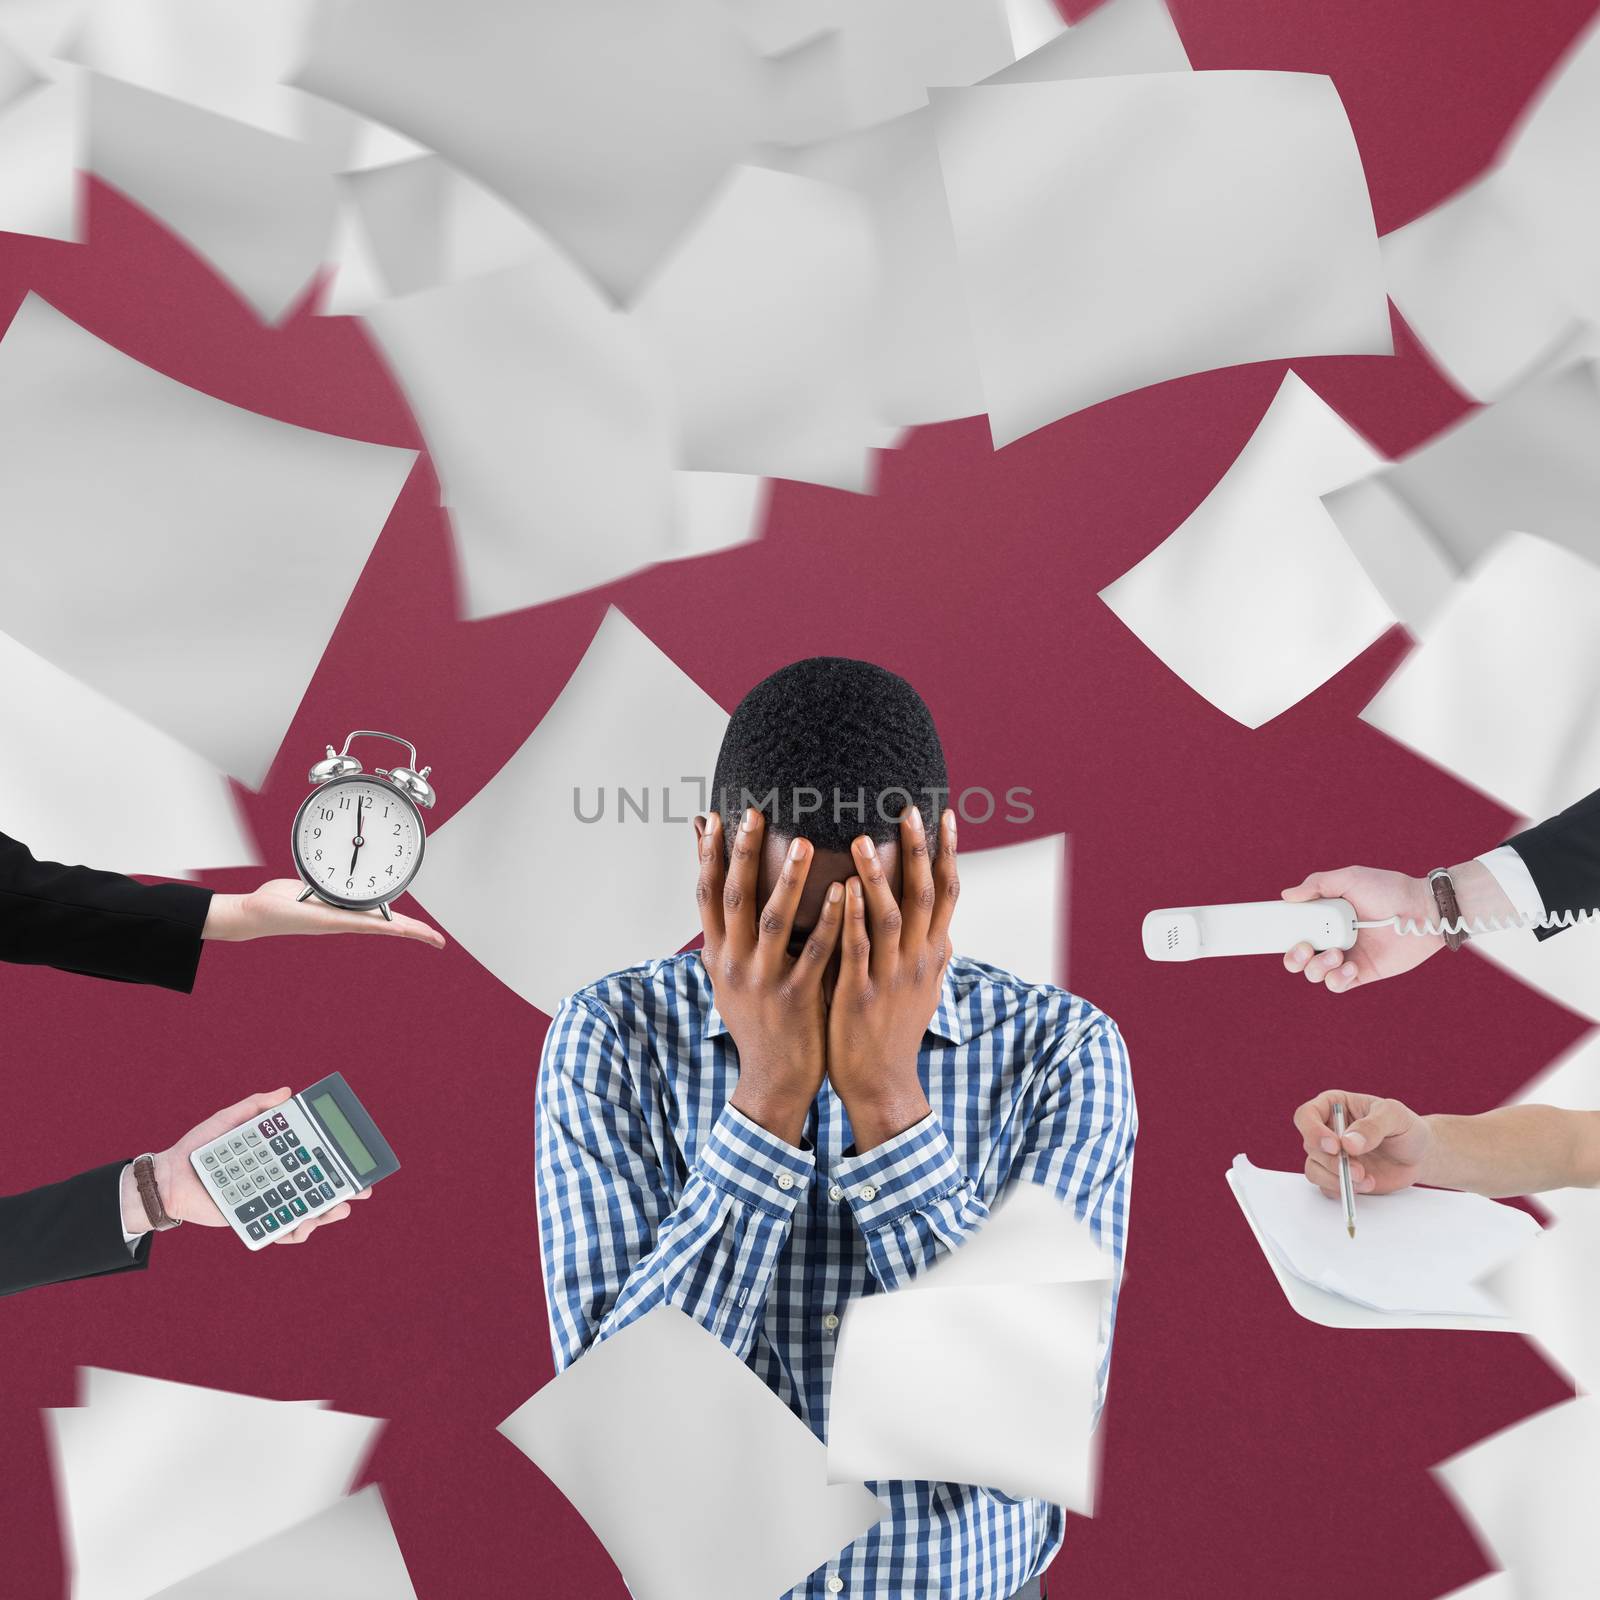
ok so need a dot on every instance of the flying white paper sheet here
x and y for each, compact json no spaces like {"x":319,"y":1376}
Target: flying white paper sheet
{"x":1491,"y":278}
{"x":761,"y":320}
{"x":1553,"y":1290}
{"x":1528,"y":462}
{"x":1120,"y":36}
{"x":1033,"y":23}
{"x":698,"y":1480}
{"x":775,"y":26}
{"x":225,"y":56}
{"x":1529,"y":1492}
{"x":219,"y":1472}
{"x":1406,"y":563}
{"x":1523,"y":630}
{"x":186,"y":557}
{"x":426,"y":224}
{"x":1256,"y":600}
{"x":41,"y":150}
{"x":608,"y":123}
{"x":17,"y":74}
{"x":1030,"y":1236}
{"x":1013,"y":908}
{"x":1469,"y":280}
{"x":257,"y":206}
{"x":349,"y":1550}
{"x":994,"y":1387}
{"x":548,"y":426}
{"x":715,"y":511}
{"x":174,"y":814}
{"x":1229,"y":222}
{"x":39,"y":28}
{"x":1334,"y":1311}
{"x":627,"y":720}
{"x":1417,"y":1250}
{"x":919,"y":335}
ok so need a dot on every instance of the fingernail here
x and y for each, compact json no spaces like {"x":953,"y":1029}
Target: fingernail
{"x":1331,"y":1146}
{"x":855,"y":888}
{"x":835,"y":894}
{"x":916,"y":819}
{"x":713,"y":822}
{"x":797,"y":849}
{"x":950,"y":825}
{"x":1367,"y":1185}
{"x":1355,"y":1141}
{"x":750,"y":815}
{"x":869,"y":850}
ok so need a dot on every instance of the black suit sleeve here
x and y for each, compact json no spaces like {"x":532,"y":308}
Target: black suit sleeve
{"x":1563,"y":858}
{"x":67,"y":1230}
{"x":99,"y":923}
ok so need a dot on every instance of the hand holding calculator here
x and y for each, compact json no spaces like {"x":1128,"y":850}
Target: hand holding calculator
{"x":294,"y":1162}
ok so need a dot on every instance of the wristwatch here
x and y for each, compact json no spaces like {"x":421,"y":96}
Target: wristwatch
{"x":144,"y":1176}
{"x":1444,"y":896}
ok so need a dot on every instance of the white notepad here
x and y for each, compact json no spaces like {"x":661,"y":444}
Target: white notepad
{"x":1418,"y":1253}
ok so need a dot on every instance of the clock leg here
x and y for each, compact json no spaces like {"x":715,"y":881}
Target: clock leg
{"x":388,"y":916}
{"x":305,"y":894}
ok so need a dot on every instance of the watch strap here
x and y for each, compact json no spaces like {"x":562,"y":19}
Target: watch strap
{"x":1444,"y":896}
{"x":144,"y":1177}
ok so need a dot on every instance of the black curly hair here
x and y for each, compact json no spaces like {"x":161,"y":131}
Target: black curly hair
{"x":828,"y":749}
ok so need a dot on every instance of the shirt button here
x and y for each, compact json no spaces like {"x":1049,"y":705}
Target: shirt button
{"x":868,"y":1192}
{"x":835,"y":1193}
{"x":830,"y":1322}
{"x":785,"y":1181}
{"x":836,"y":1584}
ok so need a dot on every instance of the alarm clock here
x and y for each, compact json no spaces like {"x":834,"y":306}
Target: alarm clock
{"x":358,"y":837}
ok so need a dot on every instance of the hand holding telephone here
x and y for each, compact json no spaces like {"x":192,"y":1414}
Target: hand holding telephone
{"x":294,"y":1162}
{"x":1271,"y":927}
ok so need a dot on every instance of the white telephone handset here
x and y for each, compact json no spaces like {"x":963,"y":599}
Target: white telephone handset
{"x":1271,"y":927}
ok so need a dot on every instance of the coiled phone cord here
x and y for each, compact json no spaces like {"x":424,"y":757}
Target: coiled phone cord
{"x":1480,"y":925}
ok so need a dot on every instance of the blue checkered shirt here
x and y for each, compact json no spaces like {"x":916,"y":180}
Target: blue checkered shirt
{"x":653,"y":1189}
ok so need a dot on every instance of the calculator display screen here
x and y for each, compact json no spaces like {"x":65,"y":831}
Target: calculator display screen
{"x":348,"y":1140}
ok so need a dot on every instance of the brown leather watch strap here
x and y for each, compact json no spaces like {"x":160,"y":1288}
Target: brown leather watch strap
{"x":144,"y":1177}
{"x":1444,"y":896}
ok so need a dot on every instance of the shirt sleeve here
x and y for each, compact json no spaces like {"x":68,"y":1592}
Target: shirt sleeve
{"x":911,"y":1199}
{"x":621,"y":1233}
{"x":1510,"y":872}
{"x":66,"y":1230}
{"x":1080,"y":1146}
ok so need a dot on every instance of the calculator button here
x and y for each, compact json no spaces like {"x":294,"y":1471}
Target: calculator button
{"x":284,"y":1215}
{"x":250,"y":1210}
{"x":275,"y":1170}
{"x":291,"y":1161}
{"x":292,"y":1137}
{"x":255,"y":1230}
{"x":278,"y":1144}
{"x":248,"y":1163}
{"x":237,"y":1143}
{"x":316,"y":1174}
{"x":326,"y":1192}
{"x":270,"y":1223}
{"x":281,"y":1123}
{"x":229,"y":1193}
{"x":251,"y":1136}
{"x":302,"y":1181}
{"x":299,"y":1206}
{"x":208,"y":1159}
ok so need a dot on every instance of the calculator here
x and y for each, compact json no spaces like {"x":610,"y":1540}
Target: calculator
{"x":294,"y":1162}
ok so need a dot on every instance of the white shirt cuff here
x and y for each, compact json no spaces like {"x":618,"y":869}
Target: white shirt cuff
{"x":1510,"y":871}
{"x":129,"y":1239}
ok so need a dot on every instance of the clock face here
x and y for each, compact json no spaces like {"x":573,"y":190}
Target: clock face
{"x":358,"y":841}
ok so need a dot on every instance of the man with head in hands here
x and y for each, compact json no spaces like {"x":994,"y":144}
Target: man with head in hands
{"x":825,"y":1099}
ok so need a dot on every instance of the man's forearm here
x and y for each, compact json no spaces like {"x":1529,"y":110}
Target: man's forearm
{"x":1514,"y":1151}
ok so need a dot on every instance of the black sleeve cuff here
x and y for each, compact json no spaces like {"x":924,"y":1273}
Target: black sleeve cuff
{"x":67,"y":1230}
{"x":1562,"y":855}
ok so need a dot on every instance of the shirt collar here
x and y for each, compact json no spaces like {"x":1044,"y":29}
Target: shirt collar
{"x":947,"y":1022}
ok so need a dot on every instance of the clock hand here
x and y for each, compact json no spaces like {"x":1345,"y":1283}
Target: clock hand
{"x":357,"y":851}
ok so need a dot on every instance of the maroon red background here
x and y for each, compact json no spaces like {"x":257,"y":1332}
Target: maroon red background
{"x":1249,"y":1453}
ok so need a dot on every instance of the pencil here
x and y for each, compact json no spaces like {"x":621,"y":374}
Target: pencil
{"x":1347,"y":1190}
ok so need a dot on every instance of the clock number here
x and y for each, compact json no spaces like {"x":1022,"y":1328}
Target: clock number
{"x":316,"y":833}
{"x":397,"y":830}
{"x":372,"y":883}
{"x":327,"y":816}
{"x":399,"y":849}
{"x":344,"y":802}
{"x":318,"y":856}
{"x":349,"y":883}
{"x":389,"y":870}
